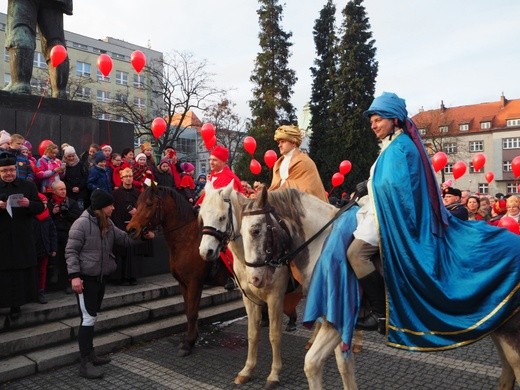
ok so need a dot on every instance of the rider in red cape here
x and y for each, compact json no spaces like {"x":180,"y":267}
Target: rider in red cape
{"x":448,"y":282}
{"x":220,"y":176}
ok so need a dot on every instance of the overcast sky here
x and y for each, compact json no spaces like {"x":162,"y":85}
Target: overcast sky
{"x":462,"y":52}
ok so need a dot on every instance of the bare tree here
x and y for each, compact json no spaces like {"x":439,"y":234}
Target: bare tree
{"x":176,"y":85}
{"x":230,"y":128}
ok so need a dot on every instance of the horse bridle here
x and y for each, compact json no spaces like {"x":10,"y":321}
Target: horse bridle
{"x":158,"y":218}
{"x":285,"y":257}
{"x":272,"y":258}
{"x":223,"y":237}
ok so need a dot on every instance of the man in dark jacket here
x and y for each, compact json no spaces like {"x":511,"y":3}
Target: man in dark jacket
{"x":22,"y":18}
{"x":451,"y":197}
{"x":19,"y":203}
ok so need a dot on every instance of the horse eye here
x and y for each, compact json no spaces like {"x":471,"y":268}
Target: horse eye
{"x":255,"y":232}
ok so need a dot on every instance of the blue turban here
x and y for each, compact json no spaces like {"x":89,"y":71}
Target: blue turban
{"x":388,"y":106}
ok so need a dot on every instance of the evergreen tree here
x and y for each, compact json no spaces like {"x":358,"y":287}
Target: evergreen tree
{"x":355,"y":85}
{"x":273,"y":86}
{"x":322,"y":95}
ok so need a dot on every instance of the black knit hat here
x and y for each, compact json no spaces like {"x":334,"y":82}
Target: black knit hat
{"x":100,"y":199}
{"x":7,"y":159}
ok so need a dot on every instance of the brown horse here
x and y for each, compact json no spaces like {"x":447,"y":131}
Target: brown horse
{"x":165,"y":207}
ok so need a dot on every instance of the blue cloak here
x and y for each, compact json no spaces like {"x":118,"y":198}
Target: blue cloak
{"x":443,"y":290}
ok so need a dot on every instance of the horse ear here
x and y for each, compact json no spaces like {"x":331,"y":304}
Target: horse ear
{"x":263,"y":197}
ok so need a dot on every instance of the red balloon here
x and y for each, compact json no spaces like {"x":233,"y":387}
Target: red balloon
{"x":489,"y":176}
{"x":138,"y":60}
{"x":210,"y":142}
{"x":43,"y":145}
{"x":250,"y":145}
{"x":270,"y":158}
{"x":459,"y":169}
{"x":344,"y":167}
{"x":58,"y":55}
{"x":104,"y":64}
{"x":439,"y":161}
{"x":478,"y":161}
{"x":158,"y":127}
{"x":207,"y":132}
{"x":255,"y":167}
{"x":515,"y":166}
{"x":510,"y":224}
{"x":337,"y":179}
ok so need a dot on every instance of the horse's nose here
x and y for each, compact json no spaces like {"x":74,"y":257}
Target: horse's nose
{"x":255,"y":281}
{"x":210,"y":254}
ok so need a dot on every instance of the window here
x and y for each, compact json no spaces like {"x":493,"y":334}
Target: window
{"x":510,"y":143}
{"x":121,"y":97}
{"x":450,"y":148}
{"x":82,"y":69}
{"x":103,"y":96}
{"x":506,"y":166}
{"x":138,"y":81}
{"x":39,"y":60}
{"x":513,"y":122}
{"x":443,"y":129}
{"x":100,"y":76}
{"x":119,"y":118}
{"x":422,"y":131}
{"x":464,"y":127}
{"x":80,"y":46}
{"x":104,"y":116}
{"x":476,"y":146}
{"x":512,"y":188}
{"x":448,"y":168}
{"x":121,"y":78}
{"x":83,"y":93}
{"x":485,"y":125}
{"x":7,"y":79}
{"x":483,"y":188}
{"x":139,"y":102}
{"x":6,"y":55}
{"x":118,"y":56}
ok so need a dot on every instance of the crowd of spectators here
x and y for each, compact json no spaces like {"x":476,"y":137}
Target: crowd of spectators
{"x":58,"y":185}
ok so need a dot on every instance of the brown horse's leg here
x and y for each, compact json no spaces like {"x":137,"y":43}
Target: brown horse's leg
{"x":191,"y":292}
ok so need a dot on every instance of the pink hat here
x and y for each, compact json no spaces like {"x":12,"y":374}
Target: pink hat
{"x":187,"y":167}
{"x":220,"y":152}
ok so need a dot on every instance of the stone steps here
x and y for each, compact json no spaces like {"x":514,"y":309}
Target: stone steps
{"x":44,"y":336}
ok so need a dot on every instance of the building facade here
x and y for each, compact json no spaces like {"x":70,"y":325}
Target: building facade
{"x":492,"y":129}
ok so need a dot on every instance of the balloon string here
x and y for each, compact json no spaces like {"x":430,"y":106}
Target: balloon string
{"x":37,"y":109}
{"x":106,"y":110}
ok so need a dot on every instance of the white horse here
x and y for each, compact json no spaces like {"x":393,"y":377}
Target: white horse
{"x":292,"y":217}
{"x":220,"y":213}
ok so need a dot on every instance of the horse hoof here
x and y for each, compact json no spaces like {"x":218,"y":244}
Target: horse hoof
{"x":183,"y":352}
{"x":272,"y":385}
{"x":241,"y":379}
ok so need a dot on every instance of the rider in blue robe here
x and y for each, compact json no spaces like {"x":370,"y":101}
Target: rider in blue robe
{"x":448,"y":282}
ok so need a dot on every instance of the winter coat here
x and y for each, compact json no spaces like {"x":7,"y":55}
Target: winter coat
{"x":45,"y":237}
{"x":76,"y":176}
{"x":124,"y":201}
{"x":99,"y":178}
{"x":16,"y":235}
{"x":45,"y":173}
{"x":63,"y":220}
{"x":164,"y":179}
{"x":24,"y":169}
{"x":90,"y":253}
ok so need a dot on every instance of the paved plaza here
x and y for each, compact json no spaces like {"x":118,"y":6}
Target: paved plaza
{"x":221,"y":353}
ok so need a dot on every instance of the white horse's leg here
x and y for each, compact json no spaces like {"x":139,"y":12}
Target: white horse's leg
{"x":275,"y":308}
{"x":326,"y":340}
{"x":510,"y":359}
{"x":346,"y":369}
{"x":253,"y":319}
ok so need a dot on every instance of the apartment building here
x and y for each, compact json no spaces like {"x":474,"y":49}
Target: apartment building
{"x":491,"y":128}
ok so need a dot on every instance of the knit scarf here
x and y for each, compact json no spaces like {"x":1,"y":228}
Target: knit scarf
{"x":43,"y":215}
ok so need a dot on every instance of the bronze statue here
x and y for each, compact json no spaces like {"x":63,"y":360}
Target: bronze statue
{"x":22,"y":18}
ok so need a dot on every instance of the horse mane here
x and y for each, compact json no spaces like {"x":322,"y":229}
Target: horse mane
{"x":183,"y":207}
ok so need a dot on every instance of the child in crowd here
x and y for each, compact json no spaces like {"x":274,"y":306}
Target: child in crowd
{"x":5,"y":141}
{"x":164,"y":176}
{"x":45,"y":237}
{"x":141,"y":172}
{"x":99,"y":176}
{"x":23,"y":164}
{"x":187,"y":182}
{"x":200,"y":183}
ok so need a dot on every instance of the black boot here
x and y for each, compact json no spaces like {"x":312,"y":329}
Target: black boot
{"x":87,"y":369}
{"x":59,"y":77}
{"x":373,"y":287}
{"x":98,"y":360}
{"x":21,"y":65}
